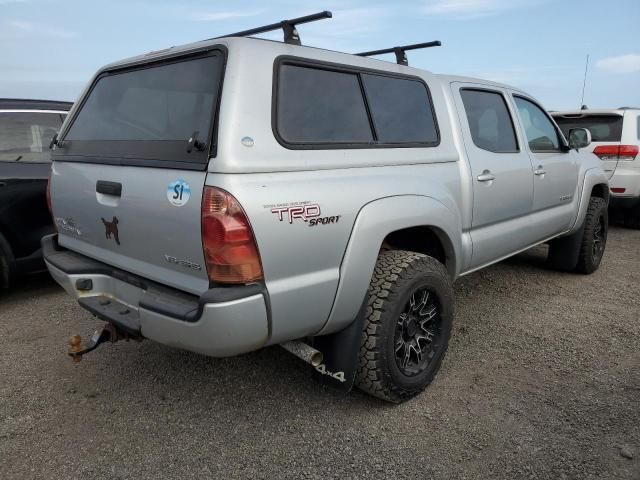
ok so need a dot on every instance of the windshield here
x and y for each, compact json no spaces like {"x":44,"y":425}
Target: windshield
{"x":603,"y":128}
{"x":150,"y":112}
{"x":25,"y":136}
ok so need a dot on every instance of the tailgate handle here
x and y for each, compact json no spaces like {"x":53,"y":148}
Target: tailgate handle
{"x":109,"y":188}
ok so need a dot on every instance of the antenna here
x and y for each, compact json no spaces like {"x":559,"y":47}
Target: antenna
{"x":288,"y":27}
{"x":401,"y":56}
{"x":584,"y":82}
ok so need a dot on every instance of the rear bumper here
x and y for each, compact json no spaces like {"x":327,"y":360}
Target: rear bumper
{"x":624,"y":202}
{"x":221,"y":322}
{"x":628,"y":178}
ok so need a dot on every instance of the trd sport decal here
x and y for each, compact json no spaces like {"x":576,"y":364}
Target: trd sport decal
{"x":309,"y":213}
{"x":304,"y":212}
{"x":324,"y":220}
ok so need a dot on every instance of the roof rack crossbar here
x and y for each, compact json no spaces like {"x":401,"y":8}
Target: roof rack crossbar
{"x":288,"y":27}
{"x":401,"y":56}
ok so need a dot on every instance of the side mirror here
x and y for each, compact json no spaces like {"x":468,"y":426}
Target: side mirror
{"x":579,"y":138}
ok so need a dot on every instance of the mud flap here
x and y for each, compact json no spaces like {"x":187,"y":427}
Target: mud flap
{"x":565,"y":251}
{"x":341,"y":351}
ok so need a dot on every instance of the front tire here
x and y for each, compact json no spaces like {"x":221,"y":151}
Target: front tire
{"x":594,"y":237}
{"x":407,"y":327}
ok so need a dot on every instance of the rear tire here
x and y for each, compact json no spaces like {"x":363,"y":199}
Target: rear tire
{"x":594,"y":237}
{"x":407,"y":326}
{"x":632,"y":218}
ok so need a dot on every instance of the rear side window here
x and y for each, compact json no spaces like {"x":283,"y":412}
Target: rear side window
{"x":25,"y":136}
{"x":400,"y":109}
{"x":603,"y":128}
{"x":150,"y":112}
{"x":541,"y":133}
{"x":489,"y":121}
{"x":321,"y":107}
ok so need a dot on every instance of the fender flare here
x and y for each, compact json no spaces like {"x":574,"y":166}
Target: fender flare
{"x":374,"y":222}
{"x":592,"y":177}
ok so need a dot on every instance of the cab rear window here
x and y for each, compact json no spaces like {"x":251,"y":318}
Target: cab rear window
{"x":150,"y":112}
{"x":603,"y":128}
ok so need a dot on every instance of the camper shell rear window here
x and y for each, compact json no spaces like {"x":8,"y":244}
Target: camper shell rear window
{"x":161,"y":114}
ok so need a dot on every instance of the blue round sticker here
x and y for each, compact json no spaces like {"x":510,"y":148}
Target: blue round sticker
{"x":178,"y":192}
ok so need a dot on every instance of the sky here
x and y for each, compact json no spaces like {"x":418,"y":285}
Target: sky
{"x":49,"y":49}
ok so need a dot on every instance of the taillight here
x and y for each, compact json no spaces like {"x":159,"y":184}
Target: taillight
{"x":230,"y":249}
{"x":616,"y":152}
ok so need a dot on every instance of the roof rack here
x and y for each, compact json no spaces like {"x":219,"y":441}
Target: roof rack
{"x":401,"y":56}
{"x":288,"y":27}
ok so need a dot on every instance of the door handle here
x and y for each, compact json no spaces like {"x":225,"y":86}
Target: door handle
{"x":486,"y":176}
{"x":540,"y":170}
{"x":109,"y":188}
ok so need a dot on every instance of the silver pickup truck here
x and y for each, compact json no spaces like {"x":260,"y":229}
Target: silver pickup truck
{"x":236,"y":193}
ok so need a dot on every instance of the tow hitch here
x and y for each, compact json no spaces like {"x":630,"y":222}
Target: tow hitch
{"x":108,"y":333}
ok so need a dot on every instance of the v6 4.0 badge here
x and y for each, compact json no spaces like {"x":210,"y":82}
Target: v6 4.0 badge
{"x":178,"y":193}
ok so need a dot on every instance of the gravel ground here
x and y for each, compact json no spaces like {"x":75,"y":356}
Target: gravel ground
{"x":542,"y":380}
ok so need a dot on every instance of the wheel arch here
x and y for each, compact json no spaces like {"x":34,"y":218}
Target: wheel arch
{"x":601,"y":190}
{"x":595,"y":184}
{"x":428,"y":239}
{"x":393,"y":222}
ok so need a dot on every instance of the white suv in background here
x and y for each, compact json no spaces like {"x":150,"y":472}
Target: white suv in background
{"x":615,"y":135}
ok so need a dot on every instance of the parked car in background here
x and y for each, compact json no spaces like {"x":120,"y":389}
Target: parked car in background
{"x":26,"y":129}
{"x":615,"y":136}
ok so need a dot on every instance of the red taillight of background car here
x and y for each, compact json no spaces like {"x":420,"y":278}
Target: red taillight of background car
{"x":616,"y":152}
{"x":230,"y":249}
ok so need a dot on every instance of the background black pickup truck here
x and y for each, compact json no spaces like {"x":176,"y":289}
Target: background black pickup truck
{"x":26,"y":128}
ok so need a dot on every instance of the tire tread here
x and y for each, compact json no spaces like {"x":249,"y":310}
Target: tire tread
{"x":393,"y":270}
{"x":585,"y":262}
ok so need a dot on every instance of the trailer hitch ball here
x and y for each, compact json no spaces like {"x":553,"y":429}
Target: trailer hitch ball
{"x":108,"y":333}
{"x":75,"y":346}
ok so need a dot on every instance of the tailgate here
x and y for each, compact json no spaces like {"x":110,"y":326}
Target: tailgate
{"x":143,"y":229}
{"x":129,"y":170}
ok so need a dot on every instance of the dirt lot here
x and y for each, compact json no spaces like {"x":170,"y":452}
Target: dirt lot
{"x":542,"y":380}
